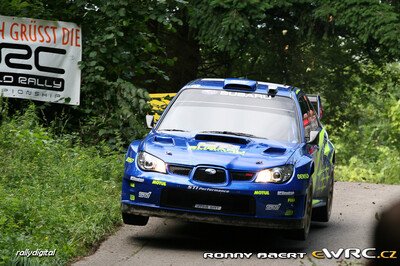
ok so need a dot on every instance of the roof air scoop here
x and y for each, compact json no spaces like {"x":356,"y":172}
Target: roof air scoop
{"x":240,"y":84}
{"x":272,"y":90}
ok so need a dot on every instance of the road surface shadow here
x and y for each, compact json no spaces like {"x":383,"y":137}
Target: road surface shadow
{"x":177,"y":235}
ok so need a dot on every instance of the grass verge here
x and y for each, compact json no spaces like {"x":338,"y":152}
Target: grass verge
{"x":54,"y":193}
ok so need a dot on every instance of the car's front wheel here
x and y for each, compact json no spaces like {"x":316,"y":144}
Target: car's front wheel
{"x":134,"y":219}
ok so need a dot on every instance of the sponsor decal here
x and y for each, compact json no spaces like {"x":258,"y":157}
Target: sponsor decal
{"x":136,"y":179}
{"x":217,"y":147}
{"x":130,"y":160}
{"x":291,"y":200}
{"x":288,"y":212}
{"x":209,"y":92}
{"x":302,"y":176}
{"x":285,"y":193}
{"x":193,"y":86}
{"x":144,"y":195}
{"x":261,"y":192}
{"x":208,"y":207}
{"x":246,"y":95}
{"x":159,"y":183}
{"x":354,"y":253}
{"x":208,"y":189}
{"x":315,"y":201}
{"x":132,"y":197}
{"x":260,"y":255}
{"x":272,"y":207}
{"x":132,"y":184}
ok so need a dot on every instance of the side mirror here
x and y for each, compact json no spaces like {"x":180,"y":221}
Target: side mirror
{"x":150,"y":121}
{"x":313,"y":137}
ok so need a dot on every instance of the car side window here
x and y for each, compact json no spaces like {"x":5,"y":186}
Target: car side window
{"x":312,"y":116}
{"x":308,"y":115}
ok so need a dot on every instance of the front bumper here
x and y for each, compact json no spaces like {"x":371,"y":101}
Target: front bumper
{"x":212,"y":218}
{"x":277,"y":206}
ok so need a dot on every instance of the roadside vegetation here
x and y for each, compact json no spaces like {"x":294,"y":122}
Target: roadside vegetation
{"x":54,"y":192}
{"x":368,"y":142}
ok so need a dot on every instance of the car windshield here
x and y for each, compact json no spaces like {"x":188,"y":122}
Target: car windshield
{"x":236,"y":113}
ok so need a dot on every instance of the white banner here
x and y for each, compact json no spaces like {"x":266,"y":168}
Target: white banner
{"x":39,"y":60}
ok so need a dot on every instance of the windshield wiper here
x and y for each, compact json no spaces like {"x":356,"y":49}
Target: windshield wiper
{"x":173,"y":129}
{"x":231,"y":133}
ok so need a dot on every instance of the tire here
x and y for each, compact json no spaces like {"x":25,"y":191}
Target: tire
{"x":322,"y":214}
{"x":134,"y":219}
{"x":302,"y":234}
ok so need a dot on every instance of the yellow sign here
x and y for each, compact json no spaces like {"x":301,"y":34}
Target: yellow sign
{"x":159,"y":102}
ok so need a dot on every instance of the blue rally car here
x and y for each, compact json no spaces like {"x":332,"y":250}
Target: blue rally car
{"x":234,"y":152}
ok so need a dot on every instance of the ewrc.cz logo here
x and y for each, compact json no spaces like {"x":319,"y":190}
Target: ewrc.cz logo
{"x":260,"y":255}
{"x":348,"y":253}
{"x":356,"y":253}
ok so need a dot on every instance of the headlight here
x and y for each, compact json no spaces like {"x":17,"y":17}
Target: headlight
{"x":148,"y":162}
{"x":275,"y":175}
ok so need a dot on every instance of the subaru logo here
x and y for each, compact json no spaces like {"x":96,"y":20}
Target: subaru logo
{"x":210,"y":171}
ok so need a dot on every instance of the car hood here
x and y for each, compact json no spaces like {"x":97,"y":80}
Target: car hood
{"x":230,"y":152}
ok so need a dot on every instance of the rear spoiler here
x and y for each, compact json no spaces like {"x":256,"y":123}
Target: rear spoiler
{"x":315,"y":100}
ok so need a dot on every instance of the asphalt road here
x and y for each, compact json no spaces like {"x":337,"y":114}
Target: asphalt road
{"x":172,"y":242}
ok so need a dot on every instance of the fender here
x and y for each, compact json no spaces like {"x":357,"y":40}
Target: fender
{"x":305,"y":165}
{"x":130,"y":155}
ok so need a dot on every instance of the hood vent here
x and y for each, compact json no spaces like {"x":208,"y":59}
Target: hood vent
{"x":221,"y":138}
{"x":275,"y":151}
{"x":164,"y":140}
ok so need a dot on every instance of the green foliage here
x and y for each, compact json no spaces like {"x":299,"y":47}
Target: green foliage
{"x":118,"y":50}
{"x":383,"y":170}
{"x":226,"y":24}
{"x":318,"y":46}
{"x":373,"y":22}
{"x":54,"y":194}
{"x":368,"y":141}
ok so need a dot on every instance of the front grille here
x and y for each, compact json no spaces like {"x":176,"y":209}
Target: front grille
{"x":219,"y":201}
{"x":205,"y":174}
{"x":241,"y":176}
{"x":179,"y":170}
